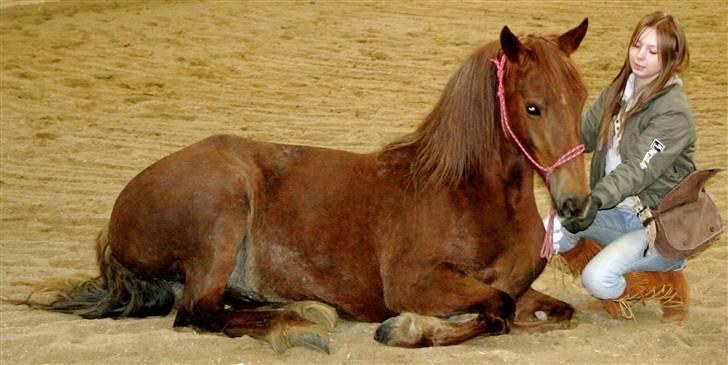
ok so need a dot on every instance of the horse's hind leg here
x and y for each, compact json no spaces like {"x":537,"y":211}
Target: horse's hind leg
{"x":202,"y":306}
{"x":536,"y":311}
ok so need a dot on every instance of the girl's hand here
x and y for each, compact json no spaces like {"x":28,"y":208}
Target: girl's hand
{"x":585,"y":218}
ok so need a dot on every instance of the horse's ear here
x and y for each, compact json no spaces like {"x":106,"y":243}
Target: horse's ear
{"x":510,"y":45}
{"x":570,"y":41}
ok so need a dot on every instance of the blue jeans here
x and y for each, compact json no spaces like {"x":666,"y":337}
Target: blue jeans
{"x":624,"y":241}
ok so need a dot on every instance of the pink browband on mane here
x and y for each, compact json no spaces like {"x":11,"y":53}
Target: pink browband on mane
{"x":547,"y":249}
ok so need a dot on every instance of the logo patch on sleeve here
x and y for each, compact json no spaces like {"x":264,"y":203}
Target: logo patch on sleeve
{"x":655,"y":148}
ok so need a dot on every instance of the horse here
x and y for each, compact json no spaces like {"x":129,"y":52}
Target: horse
{"x":436,"y":235}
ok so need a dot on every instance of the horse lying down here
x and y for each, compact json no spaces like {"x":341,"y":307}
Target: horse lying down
{"x":437,"y":234}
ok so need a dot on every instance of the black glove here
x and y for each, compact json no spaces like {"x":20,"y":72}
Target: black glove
{"x":585,"y":219}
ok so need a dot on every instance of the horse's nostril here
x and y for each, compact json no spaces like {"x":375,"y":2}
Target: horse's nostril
{"x":568,"y":208}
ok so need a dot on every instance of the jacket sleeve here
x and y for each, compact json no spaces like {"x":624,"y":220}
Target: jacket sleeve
{"x":590,"y":121}
{"x":658,"y":146}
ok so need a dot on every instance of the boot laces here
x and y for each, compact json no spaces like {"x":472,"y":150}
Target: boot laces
{"x":561,"y":269}
{"x":666,"y":294}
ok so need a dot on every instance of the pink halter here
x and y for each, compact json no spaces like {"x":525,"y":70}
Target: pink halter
{"x":547,"y":247}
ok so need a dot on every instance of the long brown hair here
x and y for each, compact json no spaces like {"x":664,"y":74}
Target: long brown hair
{"x":457,"y":137}
{"x":673,"y":55}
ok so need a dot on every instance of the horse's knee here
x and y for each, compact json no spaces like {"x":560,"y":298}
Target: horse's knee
{"x":500,"y":322}
{"x":504,"y":306}
{"x":509,"y":305}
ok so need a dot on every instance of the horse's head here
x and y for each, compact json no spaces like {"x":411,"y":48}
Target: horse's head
{"x":545,"y":95}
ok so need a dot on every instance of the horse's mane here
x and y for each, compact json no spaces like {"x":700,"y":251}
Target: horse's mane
{"x":458,"y":135}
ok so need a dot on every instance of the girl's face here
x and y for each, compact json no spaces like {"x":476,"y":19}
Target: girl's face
{"x":644,"y":57}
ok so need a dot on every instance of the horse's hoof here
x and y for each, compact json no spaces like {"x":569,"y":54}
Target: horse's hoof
{"x":310,"y":336}
{"x":312,"y":341}
{"x":381,"y":335}
{"x":291,"y":330}
{"x":316,"y":312}
{"x":402,"y":331}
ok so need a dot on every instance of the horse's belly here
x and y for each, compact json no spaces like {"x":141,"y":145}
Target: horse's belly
{"x":268,"y":271}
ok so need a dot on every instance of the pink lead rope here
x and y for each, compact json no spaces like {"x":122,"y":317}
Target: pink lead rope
{"x":547,"y":249}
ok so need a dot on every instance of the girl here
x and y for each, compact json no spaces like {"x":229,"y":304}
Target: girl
{"x":642,"y":134}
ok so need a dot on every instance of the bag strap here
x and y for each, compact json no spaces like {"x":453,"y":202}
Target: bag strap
{"x":688,"y":189}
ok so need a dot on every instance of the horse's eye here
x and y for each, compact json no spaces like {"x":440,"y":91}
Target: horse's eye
{"x":533,"y":110}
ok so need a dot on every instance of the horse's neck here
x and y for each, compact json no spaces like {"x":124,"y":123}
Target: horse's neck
{"x":507,"y":171}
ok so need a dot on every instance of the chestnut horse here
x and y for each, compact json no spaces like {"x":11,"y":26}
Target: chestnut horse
{"x":437,"y":234}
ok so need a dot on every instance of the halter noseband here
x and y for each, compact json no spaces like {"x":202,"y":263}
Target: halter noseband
{"x":547,"y":248}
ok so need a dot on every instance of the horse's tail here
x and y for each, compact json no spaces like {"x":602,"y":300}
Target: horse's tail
{"x":117,"y":292}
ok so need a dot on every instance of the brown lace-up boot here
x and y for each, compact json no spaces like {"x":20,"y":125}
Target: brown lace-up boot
{"x":669,"y":288}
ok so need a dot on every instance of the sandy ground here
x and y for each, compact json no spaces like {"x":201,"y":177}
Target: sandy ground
{"x":91,"y":93}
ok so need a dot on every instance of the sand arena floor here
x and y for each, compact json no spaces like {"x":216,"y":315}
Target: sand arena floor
{"x":92,"y":92}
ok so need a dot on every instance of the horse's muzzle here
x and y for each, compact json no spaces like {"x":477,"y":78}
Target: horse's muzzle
{"x":571,"y":207}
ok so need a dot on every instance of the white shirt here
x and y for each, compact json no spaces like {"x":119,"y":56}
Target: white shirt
{"x":614,"y":159}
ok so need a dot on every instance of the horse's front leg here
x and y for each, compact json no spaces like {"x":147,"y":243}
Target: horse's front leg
{"x":536,"y":311}
{"x":445,"y":307}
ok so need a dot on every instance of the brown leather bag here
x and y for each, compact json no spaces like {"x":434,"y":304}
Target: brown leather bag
{"x":687,"y":218}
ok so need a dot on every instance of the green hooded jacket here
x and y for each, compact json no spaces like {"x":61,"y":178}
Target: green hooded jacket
{"x":657,"y":148}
